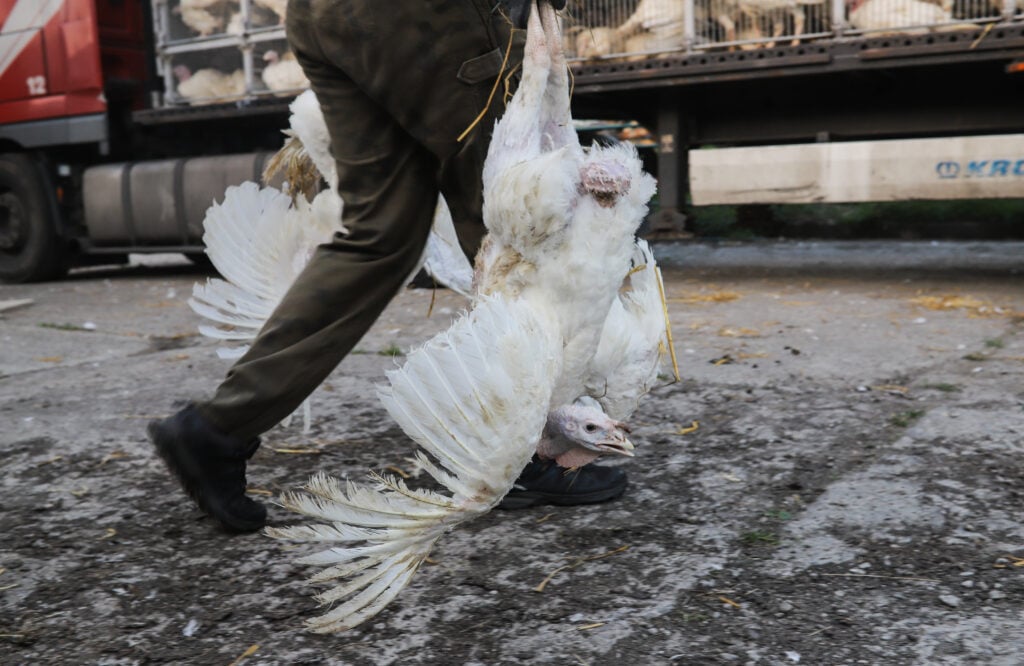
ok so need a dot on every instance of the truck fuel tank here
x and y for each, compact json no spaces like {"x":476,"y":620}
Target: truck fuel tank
{"x":160,"y":202}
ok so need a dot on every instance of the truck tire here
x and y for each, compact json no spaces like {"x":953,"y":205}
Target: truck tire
{"x":30,"y":247}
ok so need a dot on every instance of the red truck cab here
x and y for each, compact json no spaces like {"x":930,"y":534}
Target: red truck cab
{"x":99,"y":154}
{"x":49,"y":61}
{"x":56,"y":59}
{"x":61,"y":61}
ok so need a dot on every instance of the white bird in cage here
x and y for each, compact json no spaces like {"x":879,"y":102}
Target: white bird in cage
{"x":283,"y":72}
{"x":206,"y":17}
{"x":911,"y":17}
{"x":279,"y":7}
{"x":208,"y":85}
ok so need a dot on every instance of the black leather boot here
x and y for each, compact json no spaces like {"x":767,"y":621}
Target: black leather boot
{"x":544,"y":482}
{"x":210,"y":467}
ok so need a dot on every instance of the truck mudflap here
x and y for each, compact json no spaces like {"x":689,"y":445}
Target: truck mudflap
{"x":160,"y":203}
{"x":977,"y":167}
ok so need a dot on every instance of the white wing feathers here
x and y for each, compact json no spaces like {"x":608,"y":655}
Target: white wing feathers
{"x":443,"y":257}
{"x":234,"y":244}
{"x":468,"y":398}
{"x":259,"y":243}
{"x":634,"y":341}
{"x":476,"y":396}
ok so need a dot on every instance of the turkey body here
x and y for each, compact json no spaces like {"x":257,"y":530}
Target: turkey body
{"x":561,"y":220}
{"x":879,"y":15}
{"x":283,"y":72}
{"x":206,"y":17}
{"x":279,"y":7}
{"x":210,"y":85}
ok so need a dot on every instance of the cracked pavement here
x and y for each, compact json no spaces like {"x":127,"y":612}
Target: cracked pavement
{"x":837,"y":479}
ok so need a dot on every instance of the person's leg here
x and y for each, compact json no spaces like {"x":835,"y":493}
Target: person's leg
{"x":389,"y":184}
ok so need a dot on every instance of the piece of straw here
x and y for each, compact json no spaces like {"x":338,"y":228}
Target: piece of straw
{"x":494,"y":88}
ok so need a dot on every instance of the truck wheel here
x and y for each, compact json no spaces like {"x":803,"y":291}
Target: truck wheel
{"x":30,"y":249}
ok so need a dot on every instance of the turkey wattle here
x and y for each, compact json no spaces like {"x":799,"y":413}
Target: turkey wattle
{"x":515,"y":375}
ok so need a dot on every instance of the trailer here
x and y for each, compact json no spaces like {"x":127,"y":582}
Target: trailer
{"x":801,"y":101}
{"x":121,"y":121}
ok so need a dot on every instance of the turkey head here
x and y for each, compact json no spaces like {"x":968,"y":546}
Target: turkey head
{"x":576,"y":434}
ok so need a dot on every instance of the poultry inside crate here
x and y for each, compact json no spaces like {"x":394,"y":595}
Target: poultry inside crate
{"x":208,"y":77}
{"x":277,"y":70}
{"x":636,"y":29}
{"x":192,"y":19}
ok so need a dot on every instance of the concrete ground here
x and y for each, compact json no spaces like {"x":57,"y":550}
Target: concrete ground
{"x":838,"y":479}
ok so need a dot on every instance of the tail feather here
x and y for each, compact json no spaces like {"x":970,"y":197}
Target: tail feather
{"x":334,"y":556}
{"x":241,"y":333}
{"x":368,"y":603}
{"x":348,"y":569}
{"x":224,"y":306}
{"x":449,"y":481}
{"x":370,"y":499}
{"x":329,"y":533}
{"x":356,"y":505}
{"x":361,"y":581}
{"x":219,"y":314}
{"x":498,"y":365}
{"x":349,"y":515}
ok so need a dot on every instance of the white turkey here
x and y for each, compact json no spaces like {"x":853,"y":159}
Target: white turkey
{"x":279,"y":7}
{"x":655,"y":25}
{"x":209,"y":85}
{"x":900,"y":15}
{"x":511,"y":377}
{"x":283,"y":73}
{"x":260,"y":239}
{"x":206,"y":17}
{"x":306,"y":158}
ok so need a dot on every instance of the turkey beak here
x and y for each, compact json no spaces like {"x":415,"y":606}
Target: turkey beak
{"x":618,"y":445}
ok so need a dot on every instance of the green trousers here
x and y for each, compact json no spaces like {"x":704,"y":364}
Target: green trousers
{"x":398,"y":81}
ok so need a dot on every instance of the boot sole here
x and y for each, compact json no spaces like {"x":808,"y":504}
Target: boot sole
{"x":229,"y":523}
{"x":527,"y":498}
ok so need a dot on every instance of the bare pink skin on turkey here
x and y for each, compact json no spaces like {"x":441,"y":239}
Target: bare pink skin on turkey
{"x":605,"y":181}
{"x":182,"y":73}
